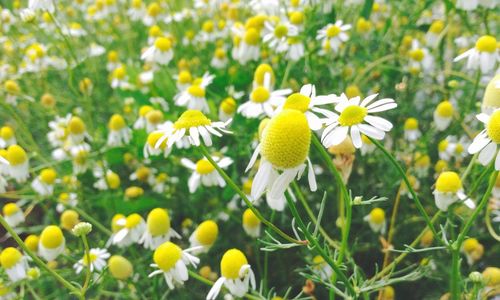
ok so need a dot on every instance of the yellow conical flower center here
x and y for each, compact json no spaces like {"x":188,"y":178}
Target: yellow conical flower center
{"x":491,"y":97}
{"x":208,"y":26}
{"x":158,"y":222}
{"x":459,"y":148}
{"x":136,"y":3}
{"x":352,"y":115}
{"x":251,"y":36}
{"x":132,"y":221}
{"x":220,"y":53}
{"x":154,"y":116}
{"x":448,"y":182}
{"x":286,"y":139}
{"x":260,"y":73}
{"x":440,"y":166}
{"x":422,"y":161}
{"x":196,"y":91}
{"x":167,"y":255}
{"x":48,"y":176}
{"x":184,"y":77}
{"x":417,"y":54}
{"x":31,"y":242}
{"x":297,"y":101}
{"x":16,"y":155}
{"x":163,"y":44}
{"x":444,"y":109}
{"x":6,"y":133}
{"x":10,"y":257}
{"x":437,"y":27}
{"x":470,"y":244}
{"x":76,"y":126}
{"x":69,"y":218}
{"x":11,"y":87}
{"x":144,"y":110}
{"x":297,"y":18}
{"x":153,"y":138}
{"x":92,"y":257}
{"x":486,"y":43}
{"x":231,"y":263}
{"x":207,"y":232}
{"x":154,"y":9}
{"x":352,"y":91}
{"x":116,"y":122}
{"x":362,"y":25}
{"x":411,"y":124}
{"x":318,"y":262}
{"x":377,"y":215}
{"x":203,"y":167}
{"x":114,"y":226}
{"x":493,"y":127}
{"x":260,"y":94}
{"x":191,"y":118}
{"x":250,"y":219}
{"x":333,"y":31}
{"x":51,"y":237}
{"x":228,"y":106}
{"x":10,"y":209}
{"x":443,"y":145}
{"x":120,"y":267}
{"x":143,"y":173}
{"x":491,"y":276}
{"x":119,"y":73}
{"x":113,"y":180}
{"x":247,"y":186}
{"x":280,"y":31}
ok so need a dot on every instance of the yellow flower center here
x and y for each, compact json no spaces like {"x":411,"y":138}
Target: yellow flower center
{"x":203,"y":167}
{"x":48,"y":176}
{"x":120,"y":267}
{"x":207,"y":232}
{"x":459,"y":148}
{"x":116,"y":122}
{"x":11,"y":87}
{"x":251,"y":36}
{"x":154,"y":9}
{"x":228,"y":106}
{"x":51,"y":237}
{"x":470,"y":244}
{"x":352,"y":115}
{"x":260,"y":94}
{"x":260,"y":73}
{"x":76,"y":125}
{"x":332,"y":31}
{"x":163,"y":44}
{"x":184,"y":77}
{"x":231,"y":263}
{"x":247,"y":186}
{"x":154,"y":116}
{"x":377,"y":215}
{"x":16,"y":155}
{"x":443,"y":145}
{"x":417,"y":54}
{"x":69,"y":218}
{"x":220,"y":53}
{"x":411,"y":124}
{"x":153,"y":138}
{"x":437,"y":27}
{"x":491,"y":276}
{"x":491,"y":97}
{"x":486,"y":43}
{"x":297,"y":101}
{"x":280,"y":31}
{"x":144,"y":110}
{"x":352,"y":91}
{"x":6,"y":133}
{"x":362,"y":25}
{"x":448,"y":182}
{"x":286,"y":139}
{"x":208,"y":26}
{"x":31,"y":242}
{"x":142,"y":173}
{"x":445,"y":109}
{"x":167,"y":255}
{"x":297,"y":18}
{"x":10,"y":257}
{"x":493,"y":127}
{"x":114,"y":226}
{"x":91,"y":257}
{"x":196,"y":91}
{"x":191,"y":118}
{"x":113,"y":180}
{"x":119,"y":73}
{"x":158,"y":222}
{"x":132,"y":221}
{"x":250,"y":219}
{"x":9,"y":209}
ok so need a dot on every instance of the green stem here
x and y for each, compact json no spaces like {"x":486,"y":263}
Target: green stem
{"x":37,"y":260}
{"x":235,"y":187}
{"x":415,"y":198}
{"x":455,"y":275}
{"x":88,"y":271}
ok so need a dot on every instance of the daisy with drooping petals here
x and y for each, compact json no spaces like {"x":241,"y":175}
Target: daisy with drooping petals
{"x":133,"y":228}
{"x":276,"y":35}
{"x":204,"y":235}
{"x":158,"y":229}
{"x":193,"y":97}
{"x":44,"y":183}
{"x":486,"y":142}
{"x":160,"y":52}
{"x":443,"y":115}
{"x":96,"y":260}
{"x":172,"y":263}
{"x":204,"y":173}
{"x":51,"y":243}
{"x":322,"y":268}
{"x":284,"y":147}
{"x":7,"y":137}
{"x":411,"y":131}
{"x":119,"y":133}
{"x":334,"y":35}
{"x":66,"y":200}
{"x":251,"y":224}
{"x":18,"y":163}
{"x":449,"y":190}
{"x":236,"y":275}
{"x":354,"y":114}
{"x":376,"y":220}
{"x":150,"y":148}
{"x":13,"y":214}
{"x":483,"y":56}
{"x":14,"y":264}
{"x":473,"y":250}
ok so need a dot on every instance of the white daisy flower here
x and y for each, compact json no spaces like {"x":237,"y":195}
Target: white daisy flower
{"x":320,"y":267}
{"x":353,"y":114}
{"x":66,"y":200}
{"x":18,"y":163}
{"x":420,"y":59}
{"x":161,"y":52}
{"x":96,"y":260}
{"x":44,"y":183}
{"x":411,"y":131}
{"x":276,"y":35}
{"x":13,"y":214}
{"x":204,"y":236}
{"x":119,"y":134}
{"x":158,"y":230}
{"x":334,"y":35}
{"x":204,"y":173}
{"x":449,"y":190}
{"x":376,"y":220}
{"x":483,"y":56}
{"x":193,"y":97}
{"x":52,"y":243}
{"x":249,"y":46}
{"x":7,"y":137}
{"x":486,"y":142}
{"x":133,"y":229}
{"x":251,"y":224}
{"x":14,"y":264}
{"x":443,"y":115}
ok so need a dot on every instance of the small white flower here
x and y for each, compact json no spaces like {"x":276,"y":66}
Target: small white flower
{"x":96,"y":259}
{"x":204,"y":173}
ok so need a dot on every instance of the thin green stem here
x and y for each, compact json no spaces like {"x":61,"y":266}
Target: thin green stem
{"x":88,"y":270}
{"x":37,"y":260}
{"x":455,"y":275}
{"x":235,"y":187}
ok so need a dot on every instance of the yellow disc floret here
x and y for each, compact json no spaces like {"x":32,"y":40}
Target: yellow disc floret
{"x":31,"y":242}
{"x":207,"y":232}
{"x":163,"y":44}
{"x":120,"y":267}
{"x":411,"y":124}
{"x":167,"y":255}
{"x":191,"y":118}
{"x":444,"y":109}
{"x":260,"y":73}
{"x":228,"y":106}
{"x":9,"y":257}
{"x":48,"y":176}
{"x":158,"y":222}
{"x":448,"y":182}
{"x":486,"y":43}
{"x":251,"y":36}
{"x":69,"y":218}
{"x":250,"y":219}
{"x":51,"y":237}
{"x":231,"y":263}
{"x":6,"y":132}
{"x":116,"y":122}
{"x":203,"y":167}
{"x":493,"y":127}
{"x":260,"y":94}
{"x":132,"y":221}
{"x":196,"y":91}
{"x":332,"y":31}
{"x":10,"y":209}
{"x":377,"y":215}
{"x":352,"y":115}
{"x":76,"y":125}
{"x":297,"y":101}
{"x":16,"y":155}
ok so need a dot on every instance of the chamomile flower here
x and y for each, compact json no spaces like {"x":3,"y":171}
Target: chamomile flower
{"x":12,"y":90}
{"x":263,"y":100}
{"x":108,"y":180}
{"x":249,"y":46}
{"x":172,"y":263}
{"x":320,"y":267}
{"x":236,"y":275}
{"x":219,"y":60}
{"x":411,"y":131}
{"x":354,"y":114}
{"x":137,"y":10}
{"x":153,"y":14}
{"x":151,"y":148}
{"x":486,"y":142}
{"x":117,"y":223}
{"x":140,"y":123}
{"x":69,"y":218}
{"x":491,"y":99}
{"x":160,"y":52}
{"x":307,"y":102}
{"x":483,"y":56}
{"x":204,"y":235}
{"x":13,"y":214}
{"x":276,"y":35}
{"x":376,"y":220}
{"x":44,"y":183}
{"x":420,"y":59}
{"x":66,"y":200}
{"x":96,"y":260}
{"x":7,"y":137}
{"x":143,"y":174}
{"x":251,"y":224}
{"x":193,"y":97}
{"x":184,"y":79}
{"x":158,"y":229}
{"x":449,"y":190}
{"x":334,"y":35}
{"x":204,"y":173}
{"x":120,"y":267}
{"x":14,"y":264}
{"x":433,"y":35}
{"x":119,"y":134}
{"x":52,"y":243}
{"x":154,"y":119}
{"x":473,"y":250}
{"x":48,"y":5}
{"x":227,"y":109}
{"x":133,"y":229}
{"x":443,"y":115}
{"x":284,"y":148}
{"x":18,"y":163}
